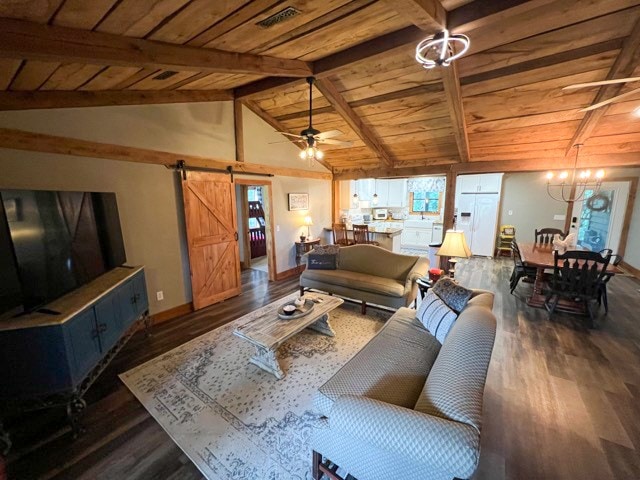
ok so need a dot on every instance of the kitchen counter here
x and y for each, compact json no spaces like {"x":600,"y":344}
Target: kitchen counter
{"x":388,"y":238}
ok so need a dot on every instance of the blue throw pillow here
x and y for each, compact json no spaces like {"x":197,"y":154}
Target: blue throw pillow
{"x":436,"y":317}
{"x":454,"y":295}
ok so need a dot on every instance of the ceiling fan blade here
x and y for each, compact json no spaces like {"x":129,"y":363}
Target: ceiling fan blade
{"x":329,"y":134}
{"x":330,"y":141}
{"x":289,"y":134}
{"x":611,"y":100}
{"x":603,"y":82}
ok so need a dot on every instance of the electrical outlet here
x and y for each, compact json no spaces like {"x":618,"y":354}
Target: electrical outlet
{"x":160,"y":295}
{"x":277,"y":228}
{"x":510,"y":212}
{"x":560,"y":217}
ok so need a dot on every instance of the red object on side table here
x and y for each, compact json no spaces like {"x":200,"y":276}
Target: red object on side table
{"x":435,"y":274}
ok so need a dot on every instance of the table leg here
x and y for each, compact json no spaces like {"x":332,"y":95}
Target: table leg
{"x":537,"y":298}
{"x":323,"y":326}
{"x":267,"y":360}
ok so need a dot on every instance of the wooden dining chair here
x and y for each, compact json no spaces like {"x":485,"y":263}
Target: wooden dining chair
{"x":577,"y":276}
{"x":602,"y":288}
{"x":519,"y":268}
{"x":361,"y":235}
{"x":545,"y":236}
{"x":340,"y":235}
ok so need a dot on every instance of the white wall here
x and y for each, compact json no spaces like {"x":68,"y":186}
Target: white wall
{"x":149,"y":196}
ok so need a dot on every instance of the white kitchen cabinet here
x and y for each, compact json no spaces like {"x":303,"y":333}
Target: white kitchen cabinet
{"x":416,"y":237}
{"x":381,"y":188}
{"x":365,"y":188}
{"x":397,"y":192}
{"x":484,"y":183}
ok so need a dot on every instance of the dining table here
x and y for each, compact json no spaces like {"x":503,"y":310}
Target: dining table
{"x":540,"y":256}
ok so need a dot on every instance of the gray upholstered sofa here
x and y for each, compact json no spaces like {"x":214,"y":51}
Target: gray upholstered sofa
{"x":406,"y":407}
{"x":370,"y":274}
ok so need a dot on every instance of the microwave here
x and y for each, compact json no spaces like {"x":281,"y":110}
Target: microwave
{"x":380,"y":214}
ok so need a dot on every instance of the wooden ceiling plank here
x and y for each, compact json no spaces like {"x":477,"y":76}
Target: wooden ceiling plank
{"x":315,"y":24}
{"x":623,"y":67}
{"x":40,"y":12}
{"x":478,"y":14}
{"x":38,"y":142}
{"x":196,"y":17}
{"x":275,"y":124}
{"x":244,"y":14}
{"x":33,"y":75}
{"x":82,"y":13}
{"x":28,"y":40}
{"x":71,"y":76}
{"x":64,"y":99}
{"x":8,"y":70}
{"x":137,"y":18}
{"x":428,"y":15}
{"x":363,"y":131}
{"x":109,"y":78}
{"x":548,"y":67}
{"x":152,"y":83}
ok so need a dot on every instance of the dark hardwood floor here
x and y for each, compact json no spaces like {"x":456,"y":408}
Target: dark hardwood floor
{"x":561,"y":402}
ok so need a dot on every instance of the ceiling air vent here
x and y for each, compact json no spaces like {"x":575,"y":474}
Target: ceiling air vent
{"x":279,"y":17}
{"x":164,"y":75}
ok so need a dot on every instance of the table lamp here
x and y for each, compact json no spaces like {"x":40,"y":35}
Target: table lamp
{"x":454,"y":245}
{"x":308,"y":222}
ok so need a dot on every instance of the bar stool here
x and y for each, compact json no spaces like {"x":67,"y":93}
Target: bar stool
{"x":361,"y":235}
{"x":340,"y":235}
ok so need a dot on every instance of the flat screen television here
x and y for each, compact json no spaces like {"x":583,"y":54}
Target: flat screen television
{"x":54,"y":242}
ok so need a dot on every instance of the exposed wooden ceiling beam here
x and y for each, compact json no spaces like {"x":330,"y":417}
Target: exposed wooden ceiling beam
{"x":366,"y":134}
{"x":425,"y":15}
{"x":428,"y":15}
{"x":33,"y":41}
{"x":615,"y":160}
{"x":238,"y":130}
{"x":453,"y":94}
{"x":64,"y":99}
{"x":275,"y":124}
{"x":38,"y":142}
{"x":384,"y":97}
{"x":625,"y":63}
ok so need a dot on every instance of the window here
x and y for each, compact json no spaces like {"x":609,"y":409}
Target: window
{"x":425,"y":202}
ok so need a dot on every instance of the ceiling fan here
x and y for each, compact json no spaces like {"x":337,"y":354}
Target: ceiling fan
{"x":310,"y":137}
{"x":606,"y":82}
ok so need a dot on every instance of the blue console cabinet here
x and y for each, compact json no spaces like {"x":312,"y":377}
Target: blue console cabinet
{"x":51,"y":357}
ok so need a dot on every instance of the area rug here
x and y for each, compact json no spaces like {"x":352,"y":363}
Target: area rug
{"x":236,"y":421}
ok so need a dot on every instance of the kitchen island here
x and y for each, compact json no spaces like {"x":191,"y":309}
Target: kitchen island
{"x":387,"y":236}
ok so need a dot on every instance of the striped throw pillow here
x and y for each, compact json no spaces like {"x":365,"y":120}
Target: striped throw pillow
{"x":436,"y":316}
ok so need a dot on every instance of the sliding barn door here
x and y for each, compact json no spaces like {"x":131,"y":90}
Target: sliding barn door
{"x":210,"y":213}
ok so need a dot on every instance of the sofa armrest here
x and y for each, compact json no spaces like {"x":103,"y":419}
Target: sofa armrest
{"x":420,"y":269}
{"x":442,"y":444}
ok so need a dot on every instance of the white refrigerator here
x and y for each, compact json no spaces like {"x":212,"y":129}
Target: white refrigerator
{"x":477,"y":217}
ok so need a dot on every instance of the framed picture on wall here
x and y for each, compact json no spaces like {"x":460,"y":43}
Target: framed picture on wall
{"x":298,"y":201}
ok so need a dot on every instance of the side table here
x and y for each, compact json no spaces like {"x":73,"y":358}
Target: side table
{"x":304,"y":247}
{"x":424,"y":284}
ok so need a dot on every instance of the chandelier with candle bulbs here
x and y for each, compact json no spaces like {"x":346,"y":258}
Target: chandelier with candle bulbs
{"x":572,"y":186}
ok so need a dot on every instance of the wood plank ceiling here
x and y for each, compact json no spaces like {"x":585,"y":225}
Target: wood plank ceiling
{"x":503,"y":101}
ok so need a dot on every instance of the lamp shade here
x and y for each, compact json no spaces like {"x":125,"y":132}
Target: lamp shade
{"x":308,"y":221}
{"x":454,"y":245}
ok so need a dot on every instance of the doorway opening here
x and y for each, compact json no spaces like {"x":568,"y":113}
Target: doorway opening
{"x":255,"y":226}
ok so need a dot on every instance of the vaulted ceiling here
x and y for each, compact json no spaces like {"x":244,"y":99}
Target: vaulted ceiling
{"x":502,"y":102}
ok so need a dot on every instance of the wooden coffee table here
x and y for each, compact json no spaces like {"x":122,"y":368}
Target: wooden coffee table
{"x":266,"y":331}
